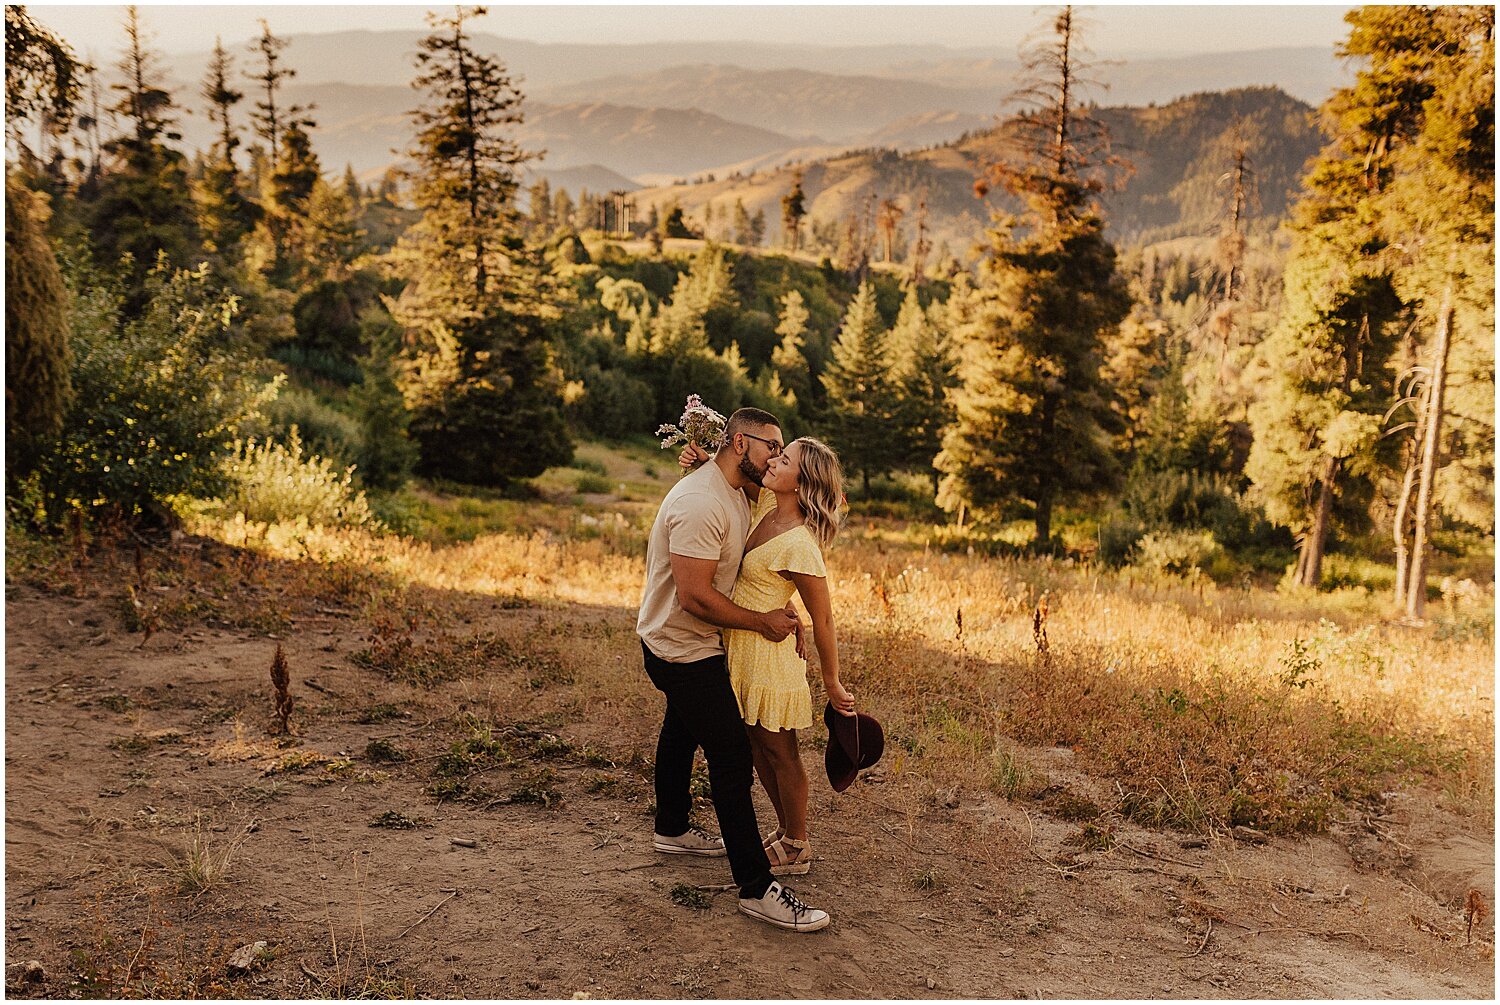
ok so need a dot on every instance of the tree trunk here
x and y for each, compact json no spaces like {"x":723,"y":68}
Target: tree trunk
{"x":1400,"y":531}
{"x":1310,"y":563}
{"x":1416,"y":596}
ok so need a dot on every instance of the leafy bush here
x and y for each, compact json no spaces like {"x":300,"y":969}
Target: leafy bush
{"x":1180,"y":499}
{"x":159,"y":399}
{"x":324,"y":429}
{"x":588,"y":482}
{"x":1117,"y":539}
{"x":1179,"y":551}
{"x":270,"y":482}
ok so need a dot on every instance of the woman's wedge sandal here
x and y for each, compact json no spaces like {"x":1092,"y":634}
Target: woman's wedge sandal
{"x":767,"y":840}
{"x":789,"y":857}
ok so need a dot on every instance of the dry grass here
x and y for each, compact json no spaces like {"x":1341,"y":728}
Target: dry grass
{"x":1203,"y":706}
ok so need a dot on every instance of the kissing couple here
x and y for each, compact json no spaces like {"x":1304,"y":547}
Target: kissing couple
{"x":731,"y":543}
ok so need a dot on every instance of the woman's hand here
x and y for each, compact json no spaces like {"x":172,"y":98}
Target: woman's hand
{"x":692,"y":455}
{"x":841,"y":700}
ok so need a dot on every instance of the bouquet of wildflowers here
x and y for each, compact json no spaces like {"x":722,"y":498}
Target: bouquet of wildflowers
{"x":699,"y":424}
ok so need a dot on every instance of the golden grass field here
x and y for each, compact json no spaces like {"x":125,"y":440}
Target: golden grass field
{"x":1208,"y":705}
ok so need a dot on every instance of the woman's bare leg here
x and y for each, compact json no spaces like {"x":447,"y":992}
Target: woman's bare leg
{"x":779,"y":750}
{"x":766,"y":774}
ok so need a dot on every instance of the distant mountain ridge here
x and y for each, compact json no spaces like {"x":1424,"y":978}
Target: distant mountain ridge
{"x":1180,"y":152}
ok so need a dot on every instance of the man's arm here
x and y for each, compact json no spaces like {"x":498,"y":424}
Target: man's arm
{"x":694,"y":578}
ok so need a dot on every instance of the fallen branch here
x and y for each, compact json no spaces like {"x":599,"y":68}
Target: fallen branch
{"x":1160,"y":858}
{"x":1207,"y":932}
{"x":427,"y":915}
{"x":324,"y":690}
{"x":633,"y":868}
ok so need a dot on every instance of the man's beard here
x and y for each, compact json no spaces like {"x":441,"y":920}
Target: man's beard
{"x":749,"y":470}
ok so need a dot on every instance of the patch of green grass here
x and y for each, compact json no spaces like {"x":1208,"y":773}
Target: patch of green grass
{"x":376,"y":714}
{"x":536,"y":788}
{"x":590,"y":484}
{"x":690,"y":896}
{"x":385,"y":752}
{"x":391,"y":820}
{"x":1093,"y":837}
{"x":600,"y":782}
{"x":926,"y":879}
{"x":1008,"y":774}
{"x":135,"y":744}
{"x":591,"y":465}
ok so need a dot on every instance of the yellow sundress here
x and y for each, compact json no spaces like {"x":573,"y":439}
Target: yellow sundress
{"x":769,"y":678}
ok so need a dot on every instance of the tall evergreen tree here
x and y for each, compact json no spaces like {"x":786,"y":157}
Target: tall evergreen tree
{"x":1363,"y":262}
{"x":742,"y":232}
{"x":789,"y":359}
{"x":923,"y":371}
{"x":487,"y":395}
{"x":862,"y":402}
{"x":225,"y":216}
{"x":793,"y":210}
{"x":1032,"y":410}
{"x":272,"y":115}
{"x":144,"y":207}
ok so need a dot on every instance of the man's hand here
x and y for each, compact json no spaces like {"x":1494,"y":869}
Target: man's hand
{"x":778,"y":624}
{"x":692,"y":455}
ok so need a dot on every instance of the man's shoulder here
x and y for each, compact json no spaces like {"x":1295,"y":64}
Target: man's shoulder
{"x":699,"y":488}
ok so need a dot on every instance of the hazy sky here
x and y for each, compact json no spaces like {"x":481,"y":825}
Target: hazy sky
{"x":1134,"y":29}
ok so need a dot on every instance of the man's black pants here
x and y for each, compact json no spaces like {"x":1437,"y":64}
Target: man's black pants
{"x":702,"y":712}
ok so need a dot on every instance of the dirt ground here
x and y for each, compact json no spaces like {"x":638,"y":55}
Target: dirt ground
{"x":122,"y":752}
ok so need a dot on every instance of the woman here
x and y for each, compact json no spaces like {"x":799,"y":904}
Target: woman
{"x":785,"y":553}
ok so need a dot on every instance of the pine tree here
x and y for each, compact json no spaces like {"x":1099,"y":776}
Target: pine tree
{"x":1364,"y":261}
{"x":540,"y":198}
{"x":352,"y":191}
{"x":789,"y":359}
{"x":862,"y":403}
{"x":485,"y":392}
{"x":922,"y":369}
{"x":793,"y":210}
{"x":743,"y":235}
{"x":270,"y":118}
{"x":1438,"y":213}
{"x":387,"y":453}
{"x":37,"y":354}
{"x":562,"y":210}
{"x":225,"y":216}
{"x":1032,"y":411}
{"x":144,"y":207}
{"x":758,"y":228}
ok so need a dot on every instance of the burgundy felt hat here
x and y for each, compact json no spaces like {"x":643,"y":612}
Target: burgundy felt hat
{"x":855,"y":742}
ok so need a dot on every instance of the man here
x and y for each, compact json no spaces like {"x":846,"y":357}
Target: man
{"x":692,"y":559}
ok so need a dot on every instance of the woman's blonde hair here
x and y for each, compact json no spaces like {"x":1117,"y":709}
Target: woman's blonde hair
{"x":820,"y":488}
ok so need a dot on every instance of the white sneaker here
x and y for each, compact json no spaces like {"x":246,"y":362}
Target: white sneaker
{"x":780,"y":907}
{"x":693,"y":841}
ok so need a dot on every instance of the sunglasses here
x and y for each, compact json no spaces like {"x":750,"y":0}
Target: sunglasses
{"x":775,"y":445}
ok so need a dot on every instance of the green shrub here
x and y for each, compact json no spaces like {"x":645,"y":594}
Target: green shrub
{"x":324,"y":429}
{"x":588,"y":482}
{"x":590,"y":465}
{"x":1179,"y":551}
{"x":159,"y":400}
{"x":1117,"y":539}
{"x":270,"y":482}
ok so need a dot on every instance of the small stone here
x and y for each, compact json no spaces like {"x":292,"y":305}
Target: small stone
{"x":245,"y":958}
{"x":32,"y":972}
{"x":465,"y":842}
{"x":931,"y":984}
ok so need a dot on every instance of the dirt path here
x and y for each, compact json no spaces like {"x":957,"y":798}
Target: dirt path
{"x":120,"y":755}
